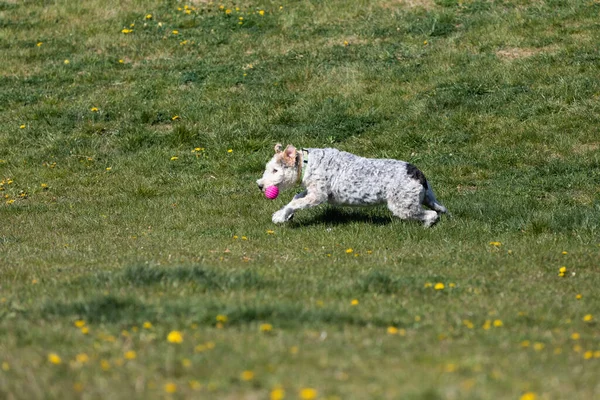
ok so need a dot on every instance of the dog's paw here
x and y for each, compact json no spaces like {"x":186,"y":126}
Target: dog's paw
{"x":282,"y":216}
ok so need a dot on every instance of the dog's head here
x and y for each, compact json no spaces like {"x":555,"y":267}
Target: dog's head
{"x":282,"y":170}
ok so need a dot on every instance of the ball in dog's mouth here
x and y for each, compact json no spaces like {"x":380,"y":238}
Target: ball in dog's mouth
{"x":271,"y":192}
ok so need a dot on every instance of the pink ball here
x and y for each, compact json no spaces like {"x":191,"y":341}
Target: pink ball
{"x":271,"y":192}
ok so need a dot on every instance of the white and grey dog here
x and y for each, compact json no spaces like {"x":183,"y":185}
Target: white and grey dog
{"x":341,"y":178}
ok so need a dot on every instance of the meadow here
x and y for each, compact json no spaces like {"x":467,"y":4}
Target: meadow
{"x":138,"y":258}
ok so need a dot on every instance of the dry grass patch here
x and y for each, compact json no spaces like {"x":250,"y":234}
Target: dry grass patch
{"x":515,"y":53}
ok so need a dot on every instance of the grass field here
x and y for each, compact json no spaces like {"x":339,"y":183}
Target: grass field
{"x":138,"y":258}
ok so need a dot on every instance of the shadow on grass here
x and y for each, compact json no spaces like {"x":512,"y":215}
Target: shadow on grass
{"x":339,"y":216}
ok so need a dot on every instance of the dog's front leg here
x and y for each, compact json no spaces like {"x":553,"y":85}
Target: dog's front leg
{"x":300,"y":201}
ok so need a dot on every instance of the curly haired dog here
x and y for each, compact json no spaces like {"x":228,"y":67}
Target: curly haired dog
{"x":342,"y":178}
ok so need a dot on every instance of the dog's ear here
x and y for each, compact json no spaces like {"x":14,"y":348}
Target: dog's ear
{"x":278,"y":148}
{"x":289,"y":155}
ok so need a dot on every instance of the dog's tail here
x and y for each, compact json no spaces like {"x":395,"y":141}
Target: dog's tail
{"x":431,"y":202}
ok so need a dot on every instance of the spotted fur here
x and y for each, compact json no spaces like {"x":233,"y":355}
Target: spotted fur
{"x":342,"y":178}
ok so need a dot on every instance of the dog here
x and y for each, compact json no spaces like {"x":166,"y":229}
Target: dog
{"x":342,"y":178}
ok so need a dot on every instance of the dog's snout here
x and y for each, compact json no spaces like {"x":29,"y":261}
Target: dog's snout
{"x":260,"y":186}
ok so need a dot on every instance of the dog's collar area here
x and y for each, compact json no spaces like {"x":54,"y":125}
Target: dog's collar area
{"x":301,"y":163}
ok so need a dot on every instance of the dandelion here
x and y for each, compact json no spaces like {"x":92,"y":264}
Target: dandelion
{"x":147,"y":325}
{"x":468,"y":324}
{"x":597,"y":354}
{"x":452,"y":285}
{"x":277,"y":394}
{"x":439,"y":286}
{"x":85,"y":330}
{"x":588,"y":355}
{"x":525,"y":343}
{"x":54,"y":358}
{"x":22,"y":126}
{"x":130,"y":355}
{"x":564,"y":253}
{"x":392,"y":330}
{"x":498,"y":323}
{"x":186,"y":363}
{"x":487,"y":324}
{"x":346,"y":43}
{"x":170,"y":387}
{"x":175,"y":32}
{"x":148,"y":16}
{"x":94,"y":109}
{"x":354,"y":302}
{"x":82,"y":358}
{"x":562,"y":272}
{"x":175,"y":337}
{"x":428,"y":285}
{"x":266,"y":327}
{"x":67,"y":62}
{"x":105,"y":365}
{"x":537,"y":346}
{"x":261,"y":12}
{"x":349,"y":251}
{"x":109,"y":169}
{"x":221,"y":318}
{"x":126,"y":31}
{"x":44,"y":186}
{"x":5,"y":366}
{"x":496,"y":244}
{"x":175,"y":117}
{"x":308,"y":394}
{"x":528,"y":396}
{"x":174,"y":158}
{"x":270,"y":232}
{"x":228,"y":11}
{"x":195,"y":385}
{"x":578,"y":296}
{"x":575,"y":336}
{"x":79,"y":323}
{"x":121,"y":61}
{"x":425,"y":42}
{"x":588,"y":318}
{"x":247,"y":376}
{"x":230,"y":151}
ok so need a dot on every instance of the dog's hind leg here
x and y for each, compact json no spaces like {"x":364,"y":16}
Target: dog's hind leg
{"x":407,"y":206}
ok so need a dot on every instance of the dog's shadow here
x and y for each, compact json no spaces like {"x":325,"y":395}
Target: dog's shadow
{"x":334,"y":216}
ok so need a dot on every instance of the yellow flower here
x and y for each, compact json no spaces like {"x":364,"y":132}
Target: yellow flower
{"x":5,"y":366}
{"x":498,"y":323}
{"x":170,"y":387}
{"x":148,"y":16}
{"x":147,"y":325}
{"x":588,"y":354}
{"x":221,"y":318}
{"x":261,"y":12}
{"x":79,"y":323}
{"x":109,"y":168}
{"x":130,"y":355}
{"x":266,"y":327}
{"x":392,"y":330}
{"x":126,"y":31}
{"x":195,"y":385}
{"x":44,"y":186}
{"x":277,"y":394}
{"x":174,"y":158}
{"x":247,"y":376}
{"x":308,"y":394}
{"x":94,"y":109}
{"x":428,"y":285}
{"x":354,"y":302}
{"x":578,"y":296}
{"x":439,"y":286}
{"x":588,"y":318}
{"x":67,"y":62}
{"x":349,"y":251}
{"x":564,"y":253}
{"x":175,"y":337}
{"x":496,"y":244}
{"x":346,"y":43}
{"x":487,"y":324}
{"x":175,"y":32}
{"x":575,"y":336}
{"x":186,"y":362}
{"x":528,"y":396}
{"x":468,"y":324}
{"x":230,"y":151}
{"x":82,"y":358}
{"x":22,"y":126}
{"x":525,"y":343}
{"x":54,"y":358}
{"x":537,"y":346}
{"x":228,"y":11}
{"x":175,"y":117}
{"x":105,"y":365}
{"x":270,"y":232}
{"x":85,"y":330}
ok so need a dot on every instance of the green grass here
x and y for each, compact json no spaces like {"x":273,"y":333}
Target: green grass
{"x":109,"y":216}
